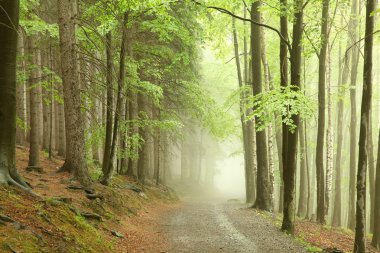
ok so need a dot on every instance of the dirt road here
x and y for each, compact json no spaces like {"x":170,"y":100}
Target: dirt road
{"x":215,"y":226}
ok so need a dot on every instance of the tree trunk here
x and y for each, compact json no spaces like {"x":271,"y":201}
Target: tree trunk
{"x":75,"y":140}
{"x":321,"y":115}
{"x":302,"y":201}
{"x":8,"y":52}
{"x":284,"y":82}
{"x":268,"y":82}
{"x":33,"y":83}
{"x":329,"y":140}
{"x":133,"y":132}
{"x":109,"y":109}
{"x":262,"y":186}
{"x":246,"y":140}
{"x":144,"y":152}
{"x":371,"y":172}
{"x":354,"y":66}
{"x":290,"y":150}
{"x":337,"y":214}
{"x":21,"y":98}
{"x":360,"y":230}
{"x":107,"y":174}
{"x":376,"y":225}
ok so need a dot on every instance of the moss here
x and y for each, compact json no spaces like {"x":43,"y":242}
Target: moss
{"x":20,"y":241}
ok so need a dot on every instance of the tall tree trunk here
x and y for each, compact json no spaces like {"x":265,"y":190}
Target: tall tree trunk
{"x":33,"y":83}
{"x":156,"y":146}
{"x":107,"y":173}
{"x":371,"y":172}
{"x":246,"y":140}
{"x":302,"y":201}
{"x":109,"y":108}
{"x":376,"y":225}
{"x":268,"y":83}
{"x":144,"y":153}
{"x":290,"y":150}
{"x":61,"y":127}
{"x":329,"y":140}
{"x":75,"y":140}
{"x":284,"y":82}
{"x":262,"y":186}
{"x":8,"y":51}
{"x":20,"y":94}
{"x":133,"y":131}
{"x":360,"y":230}
{"x":249,"y":125}
{"x":354,"y":66}
{"x":337,"y":214}
{"x":321,"y":115}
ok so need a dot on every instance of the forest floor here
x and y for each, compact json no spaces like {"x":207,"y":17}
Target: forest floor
{"x":129,"y":217}
{"x":62,"y":218}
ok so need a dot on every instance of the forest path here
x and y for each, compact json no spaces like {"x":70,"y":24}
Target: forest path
{"x":220,"y":226}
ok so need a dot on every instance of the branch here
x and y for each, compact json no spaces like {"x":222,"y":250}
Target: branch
{"x":316,"y":51}
{"x":348,"y":49}
{"x":234,"y":58}
{"x":224,"y":11}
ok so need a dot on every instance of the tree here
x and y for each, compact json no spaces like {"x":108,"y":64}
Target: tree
{"x":337,"y":213}
{"x":353,"y":122}
{"x":75,"y":161}
{"x":321,"y":114}
{"x":360,"y":230}
{"x":290,"y":147}
{"x":376,"y":209}
{"x":34,"y":98}
{"x":108,"y":171}
{"x":247,"y":139}
{"x":9,"y":19}
{"x":109,"y":109}
{"x":262,"y":186}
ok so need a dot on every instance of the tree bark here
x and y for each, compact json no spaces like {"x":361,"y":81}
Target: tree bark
{"x":75,"y":140}
{"x":246,"y":140}
{"x":302,"y":200}
{"x":107,"y":173}
{"x":33,"y":85}
{"x":337,"y":213}
{"x":8,"y":51}
{"x":290,"y":150}
{"x":371,"y":172}
{"x":321,"y":115}
{"x":376,"y":225}
{"x":262,"y":186}
{"x":283,"y":143}
{"x":360,"y":230}
{"x":21,"y":96}
{"x":354,"y":66}
{"x":109,"y":108}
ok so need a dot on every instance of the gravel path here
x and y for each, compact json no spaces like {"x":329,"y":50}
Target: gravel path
{"x":211,"y":226}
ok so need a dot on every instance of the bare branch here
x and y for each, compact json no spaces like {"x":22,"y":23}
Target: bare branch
{"x":224,"y":11}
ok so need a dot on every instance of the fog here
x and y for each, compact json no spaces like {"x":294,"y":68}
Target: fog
{"x":230,"y":179}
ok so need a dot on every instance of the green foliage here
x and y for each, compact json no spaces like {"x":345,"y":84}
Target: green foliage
{"x":282,"y":102}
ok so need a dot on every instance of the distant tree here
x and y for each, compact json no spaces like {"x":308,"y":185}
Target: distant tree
{"x":34,"y":99}
{"x":353,"y":34}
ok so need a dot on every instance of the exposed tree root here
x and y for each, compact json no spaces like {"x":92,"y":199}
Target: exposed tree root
{"x":6,"y":178}
{"x":64,"y":168}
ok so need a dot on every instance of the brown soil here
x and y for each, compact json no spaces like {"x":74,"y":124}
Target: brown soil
{"x":48,"y":225}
